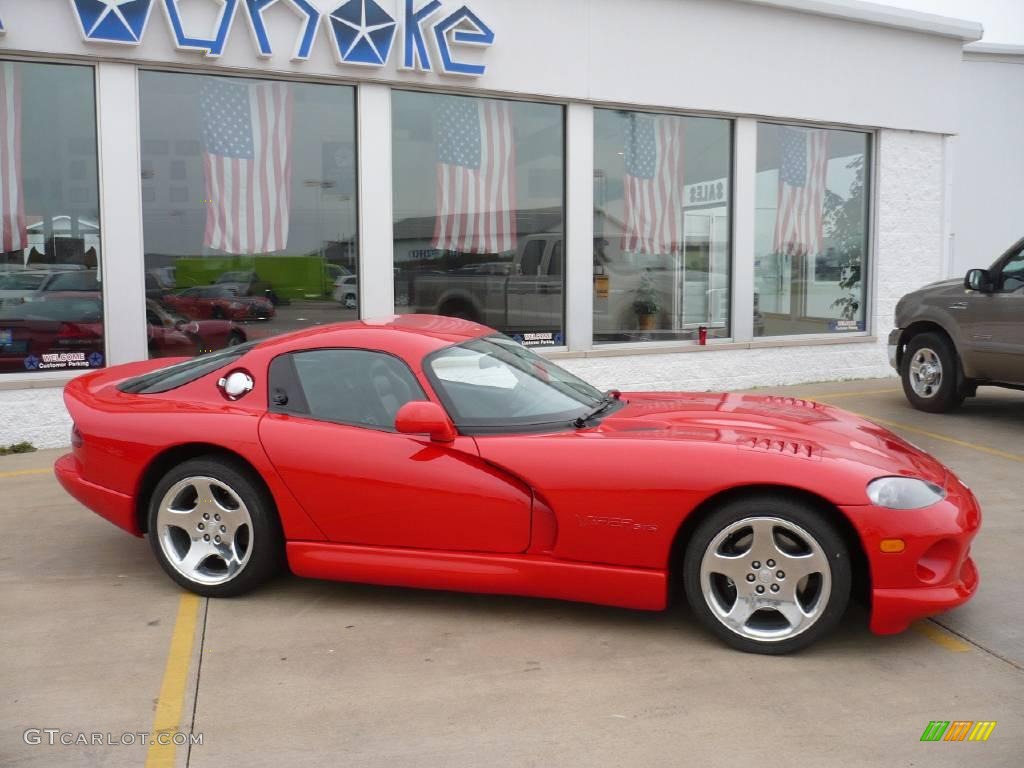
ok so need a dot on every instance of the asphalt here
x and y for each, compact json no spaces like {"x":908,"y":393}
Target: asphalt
{"x":96,"y":639}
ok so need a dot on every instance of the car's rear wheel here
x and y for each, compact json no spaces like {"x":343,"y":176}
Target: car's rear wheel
{"x":767,"y":574}
{"x":213,"y":527}
{"x":931,"y":374}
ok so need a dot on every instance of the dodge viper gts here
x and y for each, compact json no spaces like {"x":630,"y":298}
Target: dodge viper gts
{"x":436,"y":453}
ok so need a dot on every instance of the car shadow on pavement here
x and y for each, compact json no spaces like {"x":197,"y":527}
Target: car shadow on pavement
{"x":675,"y":625}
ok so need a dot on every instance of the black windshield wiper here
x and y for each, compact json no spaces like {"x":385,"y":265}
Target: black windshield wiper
{"x":610,"y":397}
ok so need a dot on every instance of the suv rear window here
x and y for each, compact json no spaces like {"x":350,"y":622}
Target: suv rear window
{"x":180,"y":374}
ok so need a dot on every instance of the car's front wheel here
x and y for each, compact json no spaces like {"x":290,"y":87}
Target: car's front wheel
{"x":767,"y":574}
{"x":931,"y":374}
{"x":214,"y":528}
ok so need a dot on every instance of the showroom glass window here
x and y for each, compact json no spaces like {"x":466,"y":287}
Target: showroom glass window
{"x":249,"y":208}
{"x":51,"y":306}
{"x":478,"y":212}
{"x":661,"y":226}
{"x":811,"y":232}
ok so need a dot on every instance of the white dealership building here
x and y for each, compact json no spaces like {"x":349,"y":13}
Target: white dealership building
{"x":664,"y":194}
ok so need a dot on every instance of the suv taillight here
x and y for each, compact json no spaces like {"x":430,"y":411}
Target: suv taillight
{"x":76,"y":437}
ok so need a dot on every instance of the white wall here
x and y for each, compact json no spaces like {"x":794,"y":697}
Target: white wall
{"x":708,"y":55}
{"x":988,"y":174}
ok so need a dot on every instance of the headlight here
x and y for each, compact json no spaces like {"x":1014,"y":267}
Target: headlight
{"x":904,"y":493}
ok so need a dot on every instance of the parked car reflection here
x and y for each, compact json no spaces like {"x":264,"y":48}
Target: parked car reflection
{"x":219,"y":302}
{"x":247,"y":283}
{"x":15,"y":286}
{"x":173,"y":334}
{"x":64,"y":330}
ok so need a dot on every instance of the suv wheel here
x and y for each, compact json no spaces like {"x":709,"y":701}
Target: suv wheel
{"x":931,"y":374}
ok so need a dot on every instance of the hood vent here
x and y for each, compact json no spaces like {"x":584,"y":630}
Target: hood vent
{"x":796,"y":448}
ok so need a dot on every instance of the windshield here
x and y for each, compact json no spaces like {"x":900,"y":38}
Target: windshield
{"x":20,"y":281}
{"x":73,"y":281}
{"x":493,"y":384}
{"x":66,"y":310}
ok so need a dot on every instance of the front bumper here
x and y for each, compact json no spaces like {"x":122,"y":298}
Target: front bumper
{"x":110,"y":505}
{"x":894,"y":346}
{"x":934,"y":572}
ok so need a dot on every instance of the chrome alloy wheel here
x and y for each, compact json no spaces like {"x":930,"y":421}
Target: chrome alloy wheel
{"x":765,"y":578}
{"x":204,"y":530}
{"x":925,"y":372}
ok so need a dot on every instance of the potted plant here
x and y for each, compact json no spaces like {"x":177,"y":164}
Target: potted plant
{"x":645,"y":304}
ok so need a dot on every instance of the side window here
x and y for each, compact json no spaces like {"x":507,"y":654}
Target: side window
{"x":348,"y":386}
{"x":532,"y":255}
{"x":555,"y":264}
{"x":1012,"y":278}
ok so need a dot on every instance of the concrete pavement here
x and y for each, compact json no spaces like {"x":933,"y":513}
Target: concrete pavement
{"x":313,"y":673}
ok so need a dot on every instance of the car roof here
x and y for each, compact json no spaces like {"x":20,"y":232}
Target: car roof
{"x":410,"y":336}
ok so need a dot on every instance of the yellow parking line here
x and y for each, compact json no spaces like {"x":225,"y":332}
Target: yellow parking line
{"x":945,"y":438}
{"x":172,"y":690}
{"x":947,"y":640}
{"x":24,"y":472}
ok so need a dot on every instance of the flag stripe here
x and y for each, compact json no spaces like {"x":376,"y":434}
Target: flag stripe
{"x":653,"y":186}
{"x":248,"y":171}
{"x":13,"y":235}
{"x":799,"y":222}
{"x":475,"y":178}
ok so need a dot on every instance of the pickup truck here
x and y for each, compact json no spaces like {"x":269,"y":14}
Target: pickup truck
{"x":953,"y":336}
{"x":525,"y":294}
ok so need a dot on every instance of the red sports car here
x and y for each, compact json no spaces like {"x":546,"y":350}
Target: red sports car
{"x":433,"y":452}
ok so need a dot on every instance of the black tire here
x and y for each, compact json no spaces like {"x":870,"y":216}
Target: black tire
{"x":797,"y":517}
{"x":264,"y":543}
{"x":459,"y":311}
{"x":217,"y":313}
{"x":235,"y":338}
{"x":948,"y":391}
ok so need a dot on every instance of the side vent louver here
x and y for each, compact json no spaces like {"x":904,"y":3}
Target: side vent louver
{"x":781,"y":446}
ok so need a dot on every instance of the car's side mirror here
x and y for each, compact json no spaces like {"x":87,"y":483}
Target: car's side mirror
{"x":421,"y":417}
{"x":978,"y":280}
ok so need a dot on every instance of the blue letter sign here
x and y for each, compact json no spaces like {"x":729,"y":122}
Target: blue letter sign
{"x":113,"y":21}
{"x":361,"y":31}
{"x":211,"y":47}
{"x":481,"y":35}
{"x":414,"y":48}
{"x":262,"y":38}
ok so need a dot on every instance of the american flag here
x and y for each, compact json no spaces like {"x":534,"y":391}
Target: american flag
{"x":476,"y":174}
{"x":13,"y":235}
{"x":247,"y":137}
{"x":654,"y":185}
{"x":798,"y":219}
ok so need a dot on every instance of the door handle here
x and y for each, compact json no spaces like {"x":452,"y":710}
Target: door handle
{"x":959,"y":305}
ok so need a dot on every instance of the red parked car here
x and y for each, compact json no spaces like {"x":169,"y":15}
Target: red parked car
{"x":433,"y":452}
{"x":171,"y":334}
{"x":219,"y":302}
{"x":61,"y":331}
